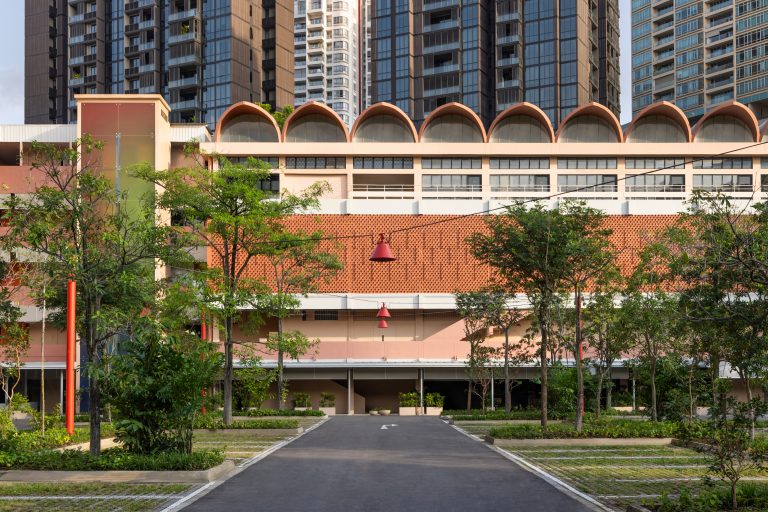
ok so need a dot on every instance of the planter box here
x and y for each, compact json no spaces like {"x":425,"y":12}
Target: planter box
{"x":409,"y":411}
{"x":251,"y":431}
{"x":384,"y":412}
{"x":434,"y":411}
{"x":301,"y":408}
{"x":328,"y":411}
{"x":373,"y":413}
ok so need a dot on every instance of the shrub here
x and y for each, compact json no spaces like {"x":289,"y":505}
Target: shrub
{"x":155,"y":384}
{"x":301,"y":400}
{"x":611,"y":429}
{"x":410,"y":399}
{"x":434,"y":400}
{"x":111,"y":459}
{"x":281,"y":412}
{"x":327,"y":399}
{"x":750,"y":495}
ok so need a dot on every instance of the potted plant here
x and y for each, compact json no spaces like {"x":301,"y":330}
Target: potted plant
{"x":434,"y":403}
{"x":328,"y":403}
{"x":301,"y":401}
{"x":409,"y":404}
{"x":374,"y":411}
{"x":384,"y":411}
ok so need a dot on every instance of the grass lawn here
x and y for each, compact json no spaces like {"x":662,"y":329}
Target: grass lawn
{"x":21,"y":497}
{"x":619,"y":477}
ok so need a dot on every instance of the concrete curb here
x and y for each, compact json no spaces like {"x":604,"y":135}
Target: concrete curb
{"x":134,"y":477}
{"x":253,"y":431}
{"x":596,"y":441}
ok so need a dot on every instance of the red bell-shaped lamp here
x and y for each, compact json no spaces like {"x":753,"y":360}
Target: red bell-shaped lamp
{"x":383,"y":325}
{"x":382,"y":251}
{"x":383,"y":312}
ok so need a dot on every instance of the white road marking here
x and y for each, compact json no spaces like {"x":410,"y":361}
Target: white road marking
{"x":386,"y":427}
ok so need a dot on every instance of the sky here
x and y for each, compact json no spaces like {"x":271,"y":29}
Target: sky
{"x":12,"y":62}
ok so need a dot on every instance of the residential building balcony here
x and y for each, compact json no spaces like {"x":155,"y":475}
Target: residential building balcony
{"x":182,"y":15}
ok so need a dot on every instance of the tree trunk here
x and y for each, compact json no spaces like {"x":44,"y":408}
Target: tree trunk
{"x":94,"y":416}
{"x":544,"y":328}
{"x":599,"y":392}
{"x":579,"y":369}
{"x":469,"y":395}
{"x":734,"y":504}
{"x":748,"y":385}
{"x":228,"y":370}
{"x":654,"y":414}
{"x":507,"y":390}
{"x":691,"y":406}
{"x":280,"y":377}
{"x":609,"y":387}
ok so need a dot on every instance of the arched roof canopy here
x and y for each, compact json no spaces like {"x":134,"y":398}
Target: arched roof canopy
{"x":383,"y":122}
{"x":246,"y":122}
{"x":314,"y":122}
{"x":729,"y":122}
{"x":452,"y":122}
{"x":592,"y":122}
{"x":522,"y":122}
{"x":764,"y":131}
{"x":661,"y":122}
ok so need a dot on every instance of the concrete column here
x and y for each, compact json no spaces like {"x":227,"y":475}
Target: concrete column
{"x":421,"y":390}
{"x":61,"y":391}
{"x":350,"y":392}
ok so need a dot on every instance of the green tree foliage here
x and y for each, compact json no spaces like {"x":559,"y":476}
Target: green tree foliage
{"x":473,"y":308}
{"x":14,"y":338}
{"x":87,"y":233}
{"x":539,"y":251}
{"x":280,"y":115}
{"x":227,"y":209}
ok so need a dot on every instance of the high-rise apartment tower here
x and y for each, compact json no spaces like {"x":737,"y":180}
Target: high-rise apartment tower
{"x":201,"y":55}
{"x":490,"y":55}
{"x":698,"y":54}
{"x":327,"y":43}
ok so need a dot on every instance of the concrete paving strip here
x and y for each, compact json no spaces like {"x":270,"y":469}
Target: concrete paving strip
{"x":109,"y":442}
{"x":547,"y":477}
{"x":644,"y":441}
{"x":102,"y":497}
{"x":621,"y":457}
{"x":651,"y":466}
{"x":202,"y":491}
{"x":168,"y":477}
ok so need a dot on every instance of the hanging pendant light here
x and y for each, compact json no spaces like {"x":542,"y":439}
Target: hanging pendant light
{"x":383,"y":324}
{"x":383,"y":312}
{"x":382,"y":251}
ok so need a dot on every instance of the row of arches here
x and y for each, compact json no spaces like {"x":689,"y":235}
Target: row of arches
{"x":521,"y":123}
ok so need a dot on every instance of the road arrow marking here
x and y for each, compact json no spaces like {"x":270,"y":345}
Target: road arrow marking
{"x":385,"y":427}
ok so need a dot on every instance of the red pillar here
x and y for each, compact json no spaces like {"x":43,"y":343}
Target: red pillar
{"x":70,"y":405}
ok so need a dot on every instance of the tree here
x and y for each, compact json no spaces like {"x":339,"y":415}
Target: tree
{"x":504,"y":316}
{"x":14,"y":338}
{"x":88,"y":234}
{"x":228,"y":210}
{"x":473,"y":308}
{"x":603,"y":333}
{"x":536,"y":250}
{"x":719,"y":252}
{"x":298,"y":265}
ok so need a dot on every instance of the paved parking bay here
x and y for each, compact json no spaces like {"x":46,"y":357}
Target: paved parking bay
{"x":353,"y":464}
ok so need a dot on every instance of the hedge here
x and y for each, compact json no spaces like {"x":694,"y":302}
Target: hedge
{"x":218,"y":424}
{"x":612,"y":429}
{"x":111,"y":459}
{"x":281,"y":412}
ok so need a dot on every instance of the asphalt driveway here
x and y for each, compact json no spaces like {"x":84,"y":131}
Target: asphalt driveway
{"x":352,"y":464}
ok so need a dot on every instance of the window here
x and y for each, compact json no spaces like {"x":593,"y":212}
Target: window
{"x":326,"y":314}
{"x":519,"y":163}
{"x":654,"y":163}
{"x":311,"y":162}
{"x":587,"y":183}
{"x":451,"y":183}
{"x":586,"y":163}
{"x":723,"y":163}
{"x":655,"y":183}
{"x":369,"y":162}
{"x":450,"y":163}
{"x":723,"y":182}
{"x":519,"y":183}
